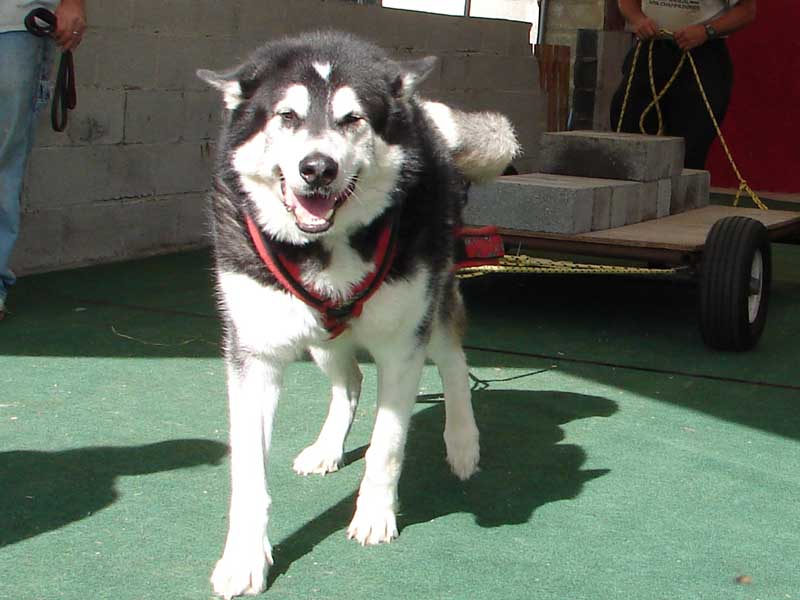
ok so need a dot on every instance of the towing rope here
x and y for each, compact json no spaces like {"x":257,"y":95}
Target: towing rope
{"x":687,"y":56}
{"x":529,"y":265}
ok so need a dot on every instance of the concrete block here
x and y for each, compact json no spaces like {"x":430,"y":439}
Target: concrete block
{"x":559,"y":204}
{"x":124,"y":59}
{"x":601,"y":212}
{"x":191,"y":213}
{"x":664,"y":197}
{"x":179,"y":59}
{"x":183,"y":167}
{"x":517,"y":203}
{"x":61,"y":176}
{"x":98,"y":119}
{"x":572,"y":14}
{"x":110,"y":15}
{"x":691,"y":189}
{"x":40,"y":241}
{"x":267,"y":19}
{"x":626,"y":199}
{"x":173,"y":17}
{"x":626,"y":156}
{"x":153,"y":116}
{"x":201,"y":115}
{"x":146,"y":225}
{"x":649,"y":201}
{"x":510,"y":38}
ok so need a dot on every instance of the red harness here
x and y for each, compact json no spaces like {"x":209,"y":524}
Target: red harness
{"x":481,"y":246}
{"x":334,"y":315}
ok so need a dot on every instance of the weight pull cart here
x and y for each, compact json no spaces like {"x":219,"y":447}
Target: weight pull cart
{"x":725,"y":249}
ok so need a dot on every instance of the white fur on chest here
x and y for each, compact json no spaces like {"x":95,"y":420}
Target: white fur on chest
{"x":267,"y":321}
{"x":270,"y":321}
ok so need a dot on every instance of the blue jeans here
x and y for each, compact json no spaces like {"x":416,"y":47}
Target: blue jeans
{"x":24,"y":89}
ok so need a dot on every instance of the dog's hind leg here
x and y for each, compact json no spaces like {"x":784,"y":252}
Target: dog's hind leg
{"x":325,"y":455}
{"x":444,"y":349}
{"x":399,"y":370}
{"x":253,"y":390}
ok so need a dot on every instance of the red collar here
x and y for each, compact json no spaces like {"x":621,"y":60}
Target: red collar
{"x":335,"y":315}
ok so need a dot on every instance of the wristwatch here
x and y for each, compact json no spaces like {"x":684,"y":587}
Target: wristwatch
{"x":711,"y":32}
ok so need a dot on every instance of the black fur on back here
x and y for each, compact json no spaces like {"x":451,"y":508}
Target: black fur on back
{"x":427,"y":195}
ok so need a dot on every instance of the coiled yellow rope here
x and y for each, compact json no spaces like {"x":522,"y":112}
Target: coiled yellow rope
{"x":687,"y":55}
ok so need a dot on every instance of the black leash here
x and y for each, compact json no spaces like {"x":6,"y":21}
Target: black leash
{"x":42,"y":23}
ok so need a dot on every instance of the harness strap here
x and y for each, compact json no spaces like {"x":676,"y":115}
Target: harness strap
{"x":335,"y":316}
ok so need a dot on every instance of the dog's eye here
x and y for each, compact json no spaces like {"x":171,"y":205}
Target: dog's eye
{"x":350,"y":119}
{"x":288,"y":116}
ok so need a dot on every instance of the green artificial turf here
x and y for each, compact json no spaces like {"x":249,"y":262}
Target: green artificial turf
{"x":620,"y":458}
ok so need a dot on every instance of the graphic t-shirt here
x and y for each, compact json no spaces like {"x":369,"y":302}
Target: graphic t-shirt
{"x":13,"y":12}
{"x":673,"y":15}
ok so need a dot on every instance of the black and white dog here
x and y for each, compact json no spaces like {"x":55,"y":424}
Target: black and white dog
{"x":337,"y":197}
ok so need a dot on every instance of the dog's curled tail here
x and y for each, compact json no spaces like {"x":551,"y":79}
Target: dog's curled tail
{"x":483,"y":144}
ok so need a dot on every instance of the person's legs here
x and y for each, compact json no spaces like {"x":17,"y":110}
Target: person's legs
{"x":23,"y":69}
{"x":689,"y":116}
{"x":665,"y":59}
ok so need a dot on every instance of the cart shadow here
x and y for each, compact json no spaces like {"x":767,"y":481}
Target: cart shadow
{"x":523,"y":467}
{"x":44,"y":491}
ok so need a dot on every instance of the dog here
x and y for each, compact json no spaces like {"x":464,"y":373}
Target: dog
{"x":336,"y":200}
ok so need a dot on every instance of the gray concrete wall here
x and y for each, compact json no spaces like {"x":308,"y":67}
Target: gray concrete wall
{"x":128,"y":178}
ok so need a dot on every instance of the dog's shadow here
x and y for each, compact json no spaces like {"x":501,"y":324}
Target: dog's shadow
{"x":43,"y":491}
{"x":523,"y":466}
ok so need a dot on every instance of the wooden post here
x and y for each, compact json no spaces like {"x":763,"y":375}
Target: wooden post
{"x":554,"y":80}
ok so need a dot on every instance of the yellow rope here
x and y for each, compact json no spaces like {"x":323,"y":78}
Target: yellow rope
{"x":529,"y":265}
{"x":743,"y":185}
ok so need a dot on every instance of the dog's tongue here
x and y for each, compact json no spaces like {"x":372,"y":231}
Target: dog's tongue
{"x":311,"y":210}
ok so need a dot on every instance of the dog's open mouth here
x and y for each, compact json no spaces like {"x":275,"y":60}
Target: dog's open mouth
{"x":313,"y":213}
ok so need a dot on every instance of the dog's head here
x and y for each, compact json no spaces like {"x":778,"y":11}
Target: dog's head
{"x":315,"y":129}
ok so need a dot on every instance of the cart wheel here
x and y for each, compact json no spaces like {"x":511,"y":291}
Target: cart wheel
{"x":735,"y":284}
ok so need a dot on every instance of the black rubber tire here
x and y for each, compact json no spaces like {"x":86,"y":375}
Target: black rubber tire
{"x":732,"y":313}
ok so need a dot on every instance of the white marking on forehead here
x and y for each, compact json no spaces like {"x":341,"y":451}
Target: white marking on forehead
{"x":324,"y":70}
{"x":297,"y":99}
{"x":345,"y":102}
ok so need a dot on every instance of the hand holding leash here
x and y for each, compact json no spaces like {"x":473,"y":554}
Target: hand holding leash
{"x":70,"y":24}
{"x":41,"y":22}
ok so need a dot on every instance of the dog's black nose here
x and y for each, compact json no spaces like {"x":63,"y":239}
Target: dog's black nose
{"x":318,"y":169}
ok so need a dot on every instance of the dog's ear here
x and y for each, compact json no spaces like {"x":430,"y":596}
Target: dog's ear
{"x":229,"y":83}
{"x":412,"y":74}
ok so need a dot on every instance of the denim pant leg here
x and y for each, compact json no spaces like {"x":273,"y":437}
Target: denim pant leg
{"x":24,"y":70}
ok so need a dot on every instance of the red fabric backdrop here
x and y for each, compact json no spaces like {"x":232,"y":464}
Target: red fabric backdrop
{"x":762,"y":126}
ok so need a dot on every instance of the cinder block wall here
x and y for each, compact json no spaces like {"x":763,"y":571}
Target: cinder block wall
{"x":129,"y":176}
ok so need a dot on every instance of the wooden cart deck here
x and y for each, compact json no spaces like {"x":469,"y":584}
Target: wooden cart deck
{"x":677,"y":239}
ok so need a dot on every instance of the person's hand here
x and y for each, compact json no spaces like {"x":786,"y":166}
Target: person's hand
{"x":645,"y":28}
{"x":691,"y":37}
{"x":71,"y":24}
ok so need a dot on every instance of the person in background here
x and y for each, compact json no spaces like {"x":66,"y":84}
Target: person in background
{"x":697,"y":25}
{"x":25,"y":62}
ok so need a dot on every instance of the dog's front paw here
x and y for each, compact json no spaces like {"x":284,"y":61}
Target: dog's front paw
{"x":318,"y":458}
{"x":372,"y":525}
{"x":240,"y":573}
{"x":463,"y":451}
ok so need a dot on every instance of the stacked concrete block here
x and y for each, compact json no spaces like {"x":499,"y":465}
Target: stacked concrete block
{"x":556,"y":203}
{"x":690,"y":189}
{"x":610,"y":155}
{"x":592,"y":181}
